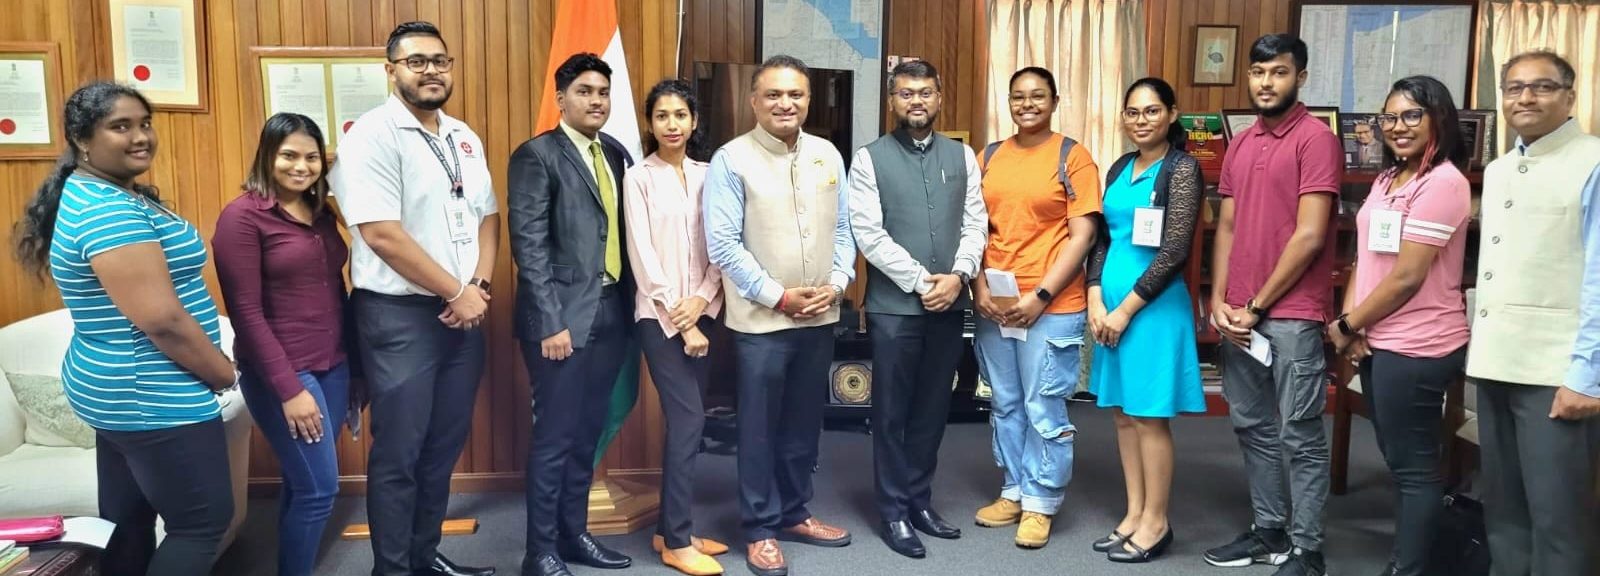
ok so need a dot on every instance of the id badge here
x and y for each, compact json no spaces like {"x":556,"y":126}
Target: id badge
{"x":1147,"y":225}
{"x":460,"y":219}
{"x":1383,"y":232}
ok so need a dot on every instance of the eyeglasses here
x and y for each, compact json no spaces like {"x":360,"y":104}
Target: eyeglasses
{"x":1412,"y":118}
{"x":419,"y":64}
{"x":926,"y":94}
{"x":1037,"y":98}
{"x":1541,"y":88}
{"x":1150,"y":114}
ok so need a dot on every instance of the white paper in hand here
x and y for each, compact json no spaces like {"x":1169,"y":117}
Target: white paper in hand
{"x":1004,"y":292}
{"x":1260,"y":348}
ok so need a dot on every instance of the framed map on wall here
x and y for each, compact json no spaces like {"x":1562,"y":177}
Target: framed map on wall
{"x":836,"y":34}
{"x":1359,"y":48}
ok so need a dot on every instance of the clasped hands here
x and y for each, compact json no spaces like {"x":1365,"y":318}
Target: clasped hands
{"x":806,"y":302}
{"x":468,"y":309}
{"x":1021,"y":314}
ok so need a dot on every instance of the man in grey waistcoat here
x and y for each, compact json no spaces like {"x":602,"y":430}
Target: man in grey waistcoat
{"x":917,"y":211}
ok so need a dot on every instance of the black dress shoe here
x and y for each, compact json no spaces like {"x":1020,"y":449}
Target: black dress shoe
{"x":590,"y":552}
{"x":442,"y":566}
{"x":1140,"y":555}
{"x":931,"y":524}
{"x":900,"y":538}
{"x":545,"y":564}
{"x":1105,"y":545}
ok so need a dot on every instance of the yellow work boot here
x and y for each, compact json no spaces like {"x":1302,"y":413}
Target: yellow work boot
{"x":1034,"y":530}
{"x":1002,"y":512}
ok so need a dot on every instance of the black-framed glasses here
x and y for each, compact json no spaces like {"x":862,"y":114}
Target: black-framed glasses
{"x":1412,"y":118}
{"x":1541,"y":88}
{"x":907,"y":94}
{"x":419,"y":64}
{"x":1150,"y":114}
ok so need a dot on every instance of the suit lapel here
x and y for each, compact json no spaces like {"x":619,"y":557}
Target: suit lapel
{"x":569,"y":149}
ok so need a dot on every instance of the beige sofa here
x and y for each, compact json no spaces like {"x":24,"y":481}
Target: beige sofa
{"x":39,"y":475}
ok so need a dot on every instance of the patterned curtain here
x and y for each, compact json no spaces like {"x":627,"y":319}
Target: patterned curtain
{"x":1570,"y":28}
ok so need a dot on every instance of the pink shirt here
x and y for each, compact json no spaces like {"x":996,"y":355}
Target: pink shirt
{"x":667,"y":241}
{"x":1435,"y":208}
{"x":1266,"y":173}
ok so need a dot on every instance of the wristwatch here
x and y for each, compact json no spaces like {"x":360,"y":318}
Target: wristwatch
{"x":1044,"y":295}
{"x":1343,"y":324}
{"x":1254,"y":310}
{"x":838,"y":295}
{"x":964,"y":276}
{"x":481,"y":283}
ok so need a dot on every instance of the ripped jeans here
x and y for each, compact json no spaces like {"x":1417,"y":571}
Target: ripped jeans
{"x":1031,"y":382}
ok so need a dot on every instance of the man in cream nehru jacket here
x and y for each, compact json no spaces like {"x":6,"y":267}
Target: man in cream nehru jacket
{"x":778,"y":225}
{"x":1535,"y":351}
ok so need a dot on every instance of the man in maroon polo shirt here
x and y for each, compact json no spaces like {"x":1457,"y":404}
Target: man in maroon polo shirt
{"x":1271,"y":277}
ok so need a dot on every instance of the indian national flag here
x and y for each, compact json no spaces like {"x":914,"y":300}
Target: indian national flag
{"x":591,"y":26}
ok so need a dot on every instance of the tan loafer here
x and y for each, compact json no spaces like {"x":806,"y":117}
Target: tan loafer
{"x":706,"y":546}
{"x":812,"y":531}
{"x":764,"y":558}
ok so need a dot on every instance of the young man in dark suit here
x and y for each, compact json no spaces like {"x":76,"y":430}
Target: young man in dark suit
{"x":573,"y":309}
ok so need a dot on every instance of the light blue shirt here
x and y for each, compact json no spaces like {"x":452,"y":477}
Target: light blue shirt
{"x":724,"y":221}
{"x":1583,"y":376}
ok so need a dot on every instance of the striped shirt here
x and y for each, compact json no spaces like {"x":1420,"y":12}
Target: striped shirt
{"x":115,"y":377}
{"x":1435,"y":208}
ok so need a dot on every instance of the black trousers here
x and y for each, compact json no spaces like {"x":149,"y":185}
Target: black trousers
{"x":180,"y":473}
{"x":1406,"y":395}
{"x":570,"y":401}
{"x":783,"y":386}
{"x":914,"y":360}
{"x":1538,"y":478}
{"x":680,"y":381}
{"x":422,"y":379}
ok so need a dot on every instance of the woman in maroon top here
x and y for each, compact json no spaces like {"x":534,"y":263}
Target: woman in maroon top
{"x":280,"y":260}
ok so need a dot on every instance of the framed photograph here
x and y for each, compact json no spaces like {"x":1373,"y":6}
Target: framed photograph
{"x":1236,"y":120}
{"x":1487,"y":148}
{"x":1473,"y":132}
{"x":158,"y":46}
{"x":961,"y":136}
{"x":1215,"y":54}
{"x":331,"y":85}
{"x":1363,"y":142}
{"x":30,"y":101}
{"x":1328,"y":115}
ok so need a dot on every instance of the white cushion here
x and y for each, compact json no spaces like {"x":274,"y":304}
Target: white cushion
{"x":40,"y":480}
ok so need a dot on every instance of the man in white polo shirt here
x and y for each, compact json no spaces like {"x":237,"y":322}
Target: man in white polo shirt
{"x":414,"y":188}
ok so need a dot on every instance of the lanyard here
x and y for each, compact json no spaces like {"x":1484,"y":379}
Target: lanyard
{"x":453,"y":174}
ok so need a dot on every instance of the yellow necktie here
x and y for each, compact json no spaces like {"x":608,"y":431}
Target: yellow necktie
{"x":608,"y":201}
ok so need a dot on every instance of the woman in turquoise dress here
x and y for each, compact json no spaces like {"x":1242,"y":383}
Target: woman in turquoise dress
{"x":1145,"y":368}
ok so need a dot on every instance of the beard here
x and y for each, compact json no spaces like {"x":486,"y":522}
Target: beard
{"x":917,"y":124}
{"x":412,"y":95}
{"x":1288,"y":101}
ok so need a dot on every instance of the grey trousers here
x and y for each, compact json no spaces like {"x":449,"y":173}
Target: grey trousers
{"x":1277,"y":414}
{"x":1538,"y":478}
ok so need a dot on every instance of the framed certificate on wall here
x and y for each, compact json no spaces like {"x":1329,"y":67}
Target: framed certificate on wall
{"x":333,"y":86}
{"x":158,"y":47}
{"x":30,"y":100}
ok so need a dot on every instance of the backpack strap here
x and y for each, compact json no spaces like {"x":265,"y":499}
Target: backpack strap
{"x":1061,"y":167}
{"x":988,"y":152}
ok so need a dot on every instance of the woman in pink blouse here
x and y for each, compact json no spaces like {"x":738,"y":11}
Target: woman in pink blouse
{"x":679,"y":292}
{"x":1405,"y":322}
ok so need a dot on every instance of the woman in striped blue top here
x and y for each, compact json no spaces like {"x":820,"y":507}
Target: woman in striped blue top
{"x":144,"y":364}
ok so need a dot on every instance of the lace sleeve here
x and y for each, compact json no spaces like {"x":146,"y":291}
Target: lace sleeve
{"x":1184,"y":195}
{"x":1097,"y":254}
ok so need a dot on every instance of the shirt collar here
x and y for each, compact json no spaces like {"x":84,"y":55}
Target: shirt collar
{"x":402,"y":117}
{"x":1550,"y":142}
{"x":578,"y":139}
{"x":1290,"y":119}
{"x":772,"y":143}
{"x":903,"y":136}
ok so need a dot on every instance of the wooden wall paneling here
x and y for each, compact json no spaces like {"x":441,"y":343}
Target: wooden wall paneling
{"x":1170,"y":43}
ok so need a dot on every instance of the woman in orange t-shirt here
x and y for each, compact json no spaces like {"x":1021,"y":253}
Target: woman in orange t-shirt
{"x":1041,"y":226}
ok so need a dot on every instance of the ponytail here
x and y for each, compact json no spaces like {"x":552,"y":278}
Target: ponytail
{"x":1177,"y":136}
{"x":34,"y":231}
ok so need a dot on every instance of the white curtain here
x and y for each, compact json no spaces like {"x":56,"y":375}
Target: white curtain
{"x":1570,"y":28}
{"x":1095,"y":49}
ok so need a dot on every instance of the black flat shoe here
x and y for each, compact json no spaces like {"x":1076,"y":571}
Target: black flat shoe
{"x":1105,"y":545}
{"x":590,"y":552}
{"x":1140,"y":555}
{"x":442,"y":566}
{"x":900,"y":538}
{"x":930,"y":523}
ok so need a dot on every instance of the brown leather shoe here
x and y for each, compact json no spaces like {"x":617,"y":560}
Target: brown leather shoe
{"x":812,"y":531}
{"x":765,"y":559}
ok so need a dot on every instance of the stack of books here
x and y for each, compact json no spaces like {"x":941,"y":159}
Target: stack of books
{"x":11,"y":555}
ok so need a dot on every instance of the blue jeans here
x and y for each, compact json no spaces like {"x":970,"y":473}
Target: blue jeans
{"x":1031,"y":382}
{"x":310,"y":471}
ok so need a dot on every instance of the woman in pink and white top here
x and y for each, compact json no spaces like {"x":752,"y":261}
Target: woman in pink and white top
{"x":1405,"y":323}
{"x":679,"y":292}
